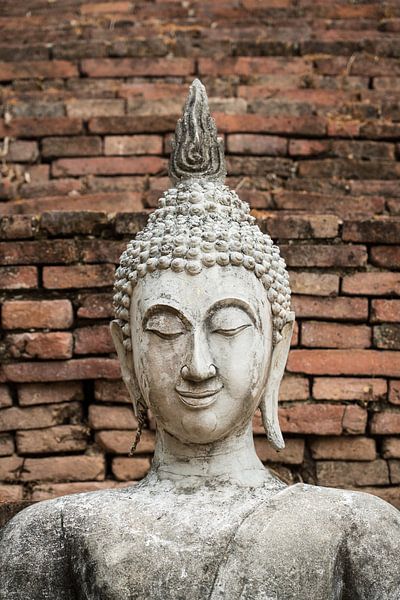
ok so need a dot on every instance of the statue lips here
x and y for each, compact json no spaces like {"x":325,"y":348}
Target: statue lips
{"x":200,"y":399}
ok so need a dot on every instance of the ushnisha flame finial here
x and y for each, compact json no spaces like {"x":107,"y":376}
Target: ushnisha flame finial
{"x":197,"y":151}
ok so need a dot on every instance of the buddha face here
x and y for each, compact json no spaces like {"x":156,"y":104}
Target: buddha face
{"x":201,"y":349}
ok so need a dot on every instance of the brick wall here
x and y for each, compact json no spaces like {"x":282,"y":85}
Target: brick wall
{"x":306,"y":94}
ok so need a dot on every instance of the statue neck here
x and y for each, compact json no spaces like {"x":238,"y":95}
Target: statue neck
{"x":232,"y":459}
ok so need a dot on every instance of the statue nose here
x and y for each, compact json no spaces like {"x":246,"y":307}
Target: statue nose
{"x":199,"y":365}
{"x":191,"y":374}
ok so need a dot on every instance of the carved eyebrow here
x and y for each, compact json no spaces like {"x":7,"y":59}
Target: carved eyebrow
{"x":168,"y":308}
{"x":236,"y":303}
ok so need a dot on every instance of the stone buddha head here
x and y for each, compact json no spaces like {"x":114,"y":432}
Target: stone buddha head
{"x":202,"y":300}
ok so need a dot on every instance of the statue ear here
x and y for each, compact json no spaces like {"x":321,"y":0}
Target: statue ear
{"x":269,"y":402}
{"x":126,"y":361}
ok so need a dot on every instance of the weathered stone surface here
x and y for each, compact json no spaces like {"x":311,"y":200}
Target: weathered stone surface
{"x":203,"y":329}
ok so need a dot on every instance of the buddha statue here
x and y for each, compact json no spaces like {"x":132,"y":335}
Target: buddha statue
{"x":202,"y":331}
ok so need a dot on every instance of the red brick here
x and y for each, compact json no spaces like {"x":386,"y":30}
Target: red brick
{"x":5,"y":396}
{"x":373,"y":283}
{"x":379,"y":230}
{"x":394,"y":392}
{"x":256,"y":144}
{"x":22,"y":151}
{"x":343,"y":448}
{"x":62,"y":438}
{"x":298,"y":226}
{"x":250,"y":66}
{"x":28,"y":51}
{"x":394,"y":468}
{"x":308,"y":147}
{"x":35,"y":417}
{"x":125,"y":469}
{"x":45,"y":251}
{"x":16,"y":227}
{"x":108,"y":166}
{"x":345,"y":362}
{"x":18,"y":278}
{"x":78,"y":276}
{"x":252,"y":123}
{"x":348,"y":169}
{"x":128,"y":223}
{"x":111,"y":391}
{"x":334,"y":335}
{"x":106,"y":7}
{"x":342,"y":127}
{"x":355,"y":420}
{"x":317,"y":284}
{"x":40,"y":345}
{"x":54,"y":468}
{"x":387,"y":336}
{"x":73,"y":223}
{"x":153,"y":91}
{"x":6,"y":444}
{"x":51,"y":314}
{"x":346,"y":309}
{"x":344,"y":206}
{"x":385,"y":423}
{"x":95,"y":251}
{"x":84,"y":368}
{"x":38,"y":173}
{"x":134,"y":144}
{"x":108,"y":202}
{"x":324,"y":256}
{"x":38,"y":69}
{"x":294,"y":388}
{"x":258,"y":166}
{"x":27,"y":127}
{"x":111,"y":417}
{"x":95,"y":306}
{"x":381,"y":129}
{"x":137,"y":67}
{"x":48,"y":491}
{"x":120,"y":441}
{"x":349,"y":388}
{"x":49,"y":393}
{"x":133,"y":124}
{"x":365,"y":64}
{"x":386,"y":311}
{"x":317,"y":419}
{"x":11,"y":493}
{"x":292,"y":454}
{"x":387,"y":257}
{"x":391,"y":448}
{"x":54,"y":147}
{"x":362,"y":150}
{"x":386,"y":83}
{"x":59,"y":187}
{"x":348,"y":474}
{"x":295,"y":335}
{"x":86,"y":108}
{"x":93,"y":340}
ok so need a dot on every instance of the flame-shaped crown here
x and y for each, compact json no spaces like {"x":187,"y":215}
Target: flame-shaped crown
{"x":197,"y":151}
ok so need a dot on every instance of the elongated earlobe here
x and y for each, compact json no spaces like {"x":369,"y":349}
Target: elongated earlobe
{"x":126,"y":361}
{"x":269,"y":402}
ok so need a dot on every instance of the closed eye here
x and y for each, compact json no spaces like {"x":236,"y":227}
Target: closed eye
{"x":170,"y":335}
{"x":232,"y":332}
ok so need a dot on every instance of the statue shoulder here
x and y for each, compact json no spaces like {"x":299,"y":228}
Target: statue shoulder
{"x":32,"y":554}
{"x":371,"y":541}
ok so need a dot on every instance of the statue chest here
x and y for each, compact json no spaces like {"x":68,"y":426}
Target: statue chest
{"x":199,"y":550}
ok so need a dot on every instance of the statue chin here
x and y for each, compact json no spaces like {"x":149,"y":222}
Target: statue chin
{"x":200,"y":429}
{"x":202,"y":331}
